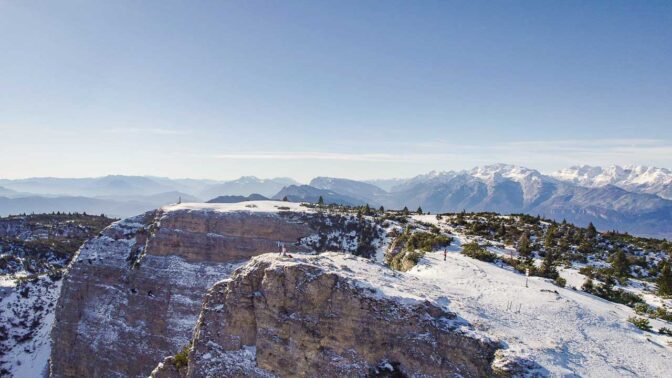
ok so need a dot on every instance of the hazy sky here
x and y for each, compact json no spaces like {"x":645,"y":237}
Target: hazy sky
{"x":355,"y":89}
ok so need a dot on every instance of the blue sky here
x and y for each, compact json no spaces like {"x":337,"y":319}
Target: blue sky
{"x":356,"y":89}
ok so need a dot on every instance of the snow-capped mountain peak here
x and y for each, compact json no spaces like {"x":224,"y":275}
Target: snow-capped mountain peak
{"x":637,"y":178}
{"x":508,"y":171}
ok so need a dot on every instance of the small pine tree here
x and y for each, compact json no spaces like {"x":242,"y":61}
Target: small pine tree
{"x":419,"y":210}
{"x":591,"y":231}
{"x":285,"y":198}
{"x":524,"y":248}
{"x":620,"y":264}
{"x":405,"y":211}
{"x":320,"y":201}
{"x":586,"y":247}
{"x":563,"y":245}
{"x":548,"y":265}
{"x":382,"y":209}
{"x":609,"y":283}
{"x":664,"y":281}
{"x":460,"y":218}
{"x":549,"y":240}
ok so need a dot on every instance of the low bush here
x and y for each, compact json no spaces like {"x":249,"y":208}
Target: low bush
{"x":560,"y":281}
{"x":665,"y":331}
{"x":413,"y":247}
{"x":475,"y":251}
{"x":182,"y":358}
{"x":641,"y":323}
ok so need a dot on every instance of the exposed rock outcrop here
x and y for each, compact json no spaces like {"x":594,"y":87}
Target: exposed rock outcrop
{"x":317,"y":316}
{"x":132,"y":295}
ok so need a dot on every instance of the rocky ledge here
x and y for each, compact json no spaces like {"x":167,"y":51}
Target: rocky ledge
{"x":133,"y":294}
{"x":311,"y":316}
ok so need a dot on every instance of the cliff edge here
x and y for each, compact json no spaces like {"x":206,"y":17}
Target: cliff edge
{"x":312,"y":316}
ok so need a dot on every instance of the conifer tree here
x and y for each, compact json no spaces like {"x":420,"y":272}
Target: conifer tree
{"x":382,"y":209}
{"x":664,"y":281}
{"x":405,"y":211}
{"x":563,"y":245}
{"x":547,"y":266}
{"x":591,"y":231}
{"x":620,"y":264}
{"x":460,"y":217}
{"x":609,"y":283}
{"x":549,"y":240}
{"x":524,"y":248}
{"x":585,"y":247}
{"x":320,"y":201}
{"x":419,"y":210}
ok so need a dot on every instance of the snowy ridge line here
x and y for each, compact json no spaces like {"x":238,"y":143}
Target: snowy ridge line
{"x":247,"y":206}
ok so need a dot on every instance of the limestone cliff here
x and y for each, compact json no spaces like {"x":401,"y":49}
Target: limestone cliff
{"x":132,"y":295}
{"x":318,"y":316}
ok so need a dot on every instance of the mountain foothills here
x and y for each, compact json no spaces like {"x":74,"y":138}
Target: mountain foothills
{"x":277,"y":288}
{"x":632,"y":199}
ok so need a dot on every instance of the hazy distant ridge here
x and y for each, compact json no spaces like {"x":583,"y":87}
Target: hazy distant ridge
{"x":633,"y":199}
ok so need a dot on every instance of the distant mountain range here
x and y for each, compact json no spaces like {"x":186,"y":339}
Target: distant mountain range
{"x":510,"y":189}
{"x":121,"y":196}
{"x":236,"y":199}
{"x":637,"y":179}
{"x":247,"y":185}
{"x":633,"y":199}
{"x":307,"y":193}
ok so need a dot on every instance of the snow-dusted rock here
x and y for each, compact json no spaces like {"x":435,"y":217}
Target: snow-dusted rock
{"x":132,"y":295}
{"x":320,"y":316}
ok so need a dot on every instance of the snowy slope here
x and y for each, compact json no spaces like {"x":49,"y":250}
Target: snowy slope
{"x":566,"y":332}
{"x":29,"y":317}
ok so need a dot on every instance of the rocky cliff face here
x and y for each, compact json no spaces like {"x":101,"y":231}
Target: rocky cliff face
{"x":132,"y":295}
{"x":317,"y":316}
{"x":34,"y":249}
